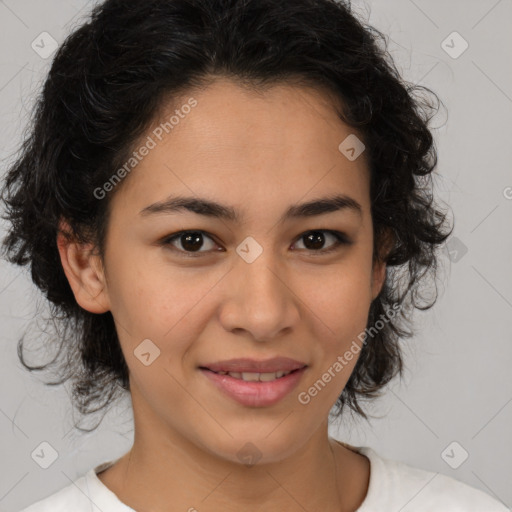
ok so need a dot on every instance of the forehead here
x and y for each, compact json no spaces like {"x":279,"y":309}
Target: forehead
{"x":278,"y":145}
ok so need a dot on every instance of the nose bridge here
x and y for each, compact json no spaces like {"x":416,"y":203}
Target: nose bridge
{"x":263,"y":303}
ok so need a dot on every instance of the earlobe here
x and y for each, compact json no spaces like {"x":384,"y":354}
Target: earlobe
{"x":84,"y":271}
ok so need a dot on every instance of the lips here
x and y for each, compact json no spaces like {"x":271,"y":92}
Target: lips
{"x":255,"y":376}
{"x":244,"y":365}
{"x":254,"y":383}
{"x":255,"y":394}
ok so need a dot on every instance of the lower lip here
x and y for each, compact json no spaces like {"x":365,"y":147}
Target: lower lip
{"x":255,"y":394}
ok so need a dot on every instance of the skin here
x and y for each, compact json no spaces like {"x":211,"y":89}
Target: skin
{"x":259,"y":153}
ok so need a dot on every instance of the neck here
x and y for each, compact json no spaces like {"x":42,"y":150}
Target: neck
{"x":165,"y":471}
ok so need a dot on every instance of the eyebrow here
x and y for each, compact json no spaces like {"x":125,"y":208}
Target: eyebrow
{"x":202,"y":206}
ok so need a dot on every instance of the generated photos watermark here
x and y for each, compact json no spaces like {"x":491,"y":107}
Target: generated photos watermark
{"x":137,"y":156}
{"x":304,"y":397}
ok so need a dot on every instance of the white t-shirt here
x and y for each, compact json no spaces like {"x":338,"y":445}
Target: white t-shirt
{"x":394,"y":486}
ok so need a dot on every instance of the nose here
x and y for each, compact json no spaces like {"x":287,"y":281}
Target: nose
{"x":260,"y":299}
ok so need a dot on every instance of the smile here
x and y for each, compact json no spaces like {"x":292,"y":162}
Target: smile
{"x":255,"y":389}
{"x":255,"y":377}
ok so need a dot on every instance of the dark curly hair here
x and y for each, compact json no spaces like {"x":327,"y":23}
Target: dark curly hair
{"x":106,"y":86}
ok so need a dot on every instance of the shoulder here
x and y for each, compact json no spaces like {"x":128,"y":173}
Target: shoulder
{"x":406,"y":488}
{"x":72,"y":497}
{"x":85,"y":494}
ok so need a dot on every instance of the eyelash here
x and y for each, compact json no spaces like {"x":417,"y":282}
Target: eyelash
{"x":341,"y":240}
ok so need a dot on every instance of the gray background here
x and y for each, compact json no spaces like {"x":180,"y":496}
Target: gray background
{"x":458,"y":383}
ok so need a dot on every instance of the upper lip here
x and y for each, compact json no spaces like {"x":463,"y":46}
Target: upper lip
{"x":276,"y":364}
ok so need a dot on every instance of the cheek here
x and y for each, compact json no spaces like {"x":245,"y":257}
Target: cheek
{"x":339,"y":298}
{"x":340,"y":309}
{"x":161,"y":303}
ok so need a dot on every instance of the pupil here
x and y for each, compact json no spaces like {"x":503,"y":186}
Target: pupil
{"x":191,"y":241}
{"x":317,"y":238}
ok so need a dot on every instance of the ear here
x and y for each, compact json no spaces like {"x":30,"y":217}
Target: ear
{"x":379,"y":267}
{"x":379,"y":275}
{"x":83,"y":270}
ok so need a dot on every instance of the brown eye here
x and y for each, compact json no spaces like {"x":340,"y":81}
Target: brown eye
{"x":314,"y":240}
{"x":190,"y":241}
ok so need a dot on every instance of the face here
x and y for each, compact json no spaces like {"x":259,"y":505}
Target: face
{"x":256,"y":285}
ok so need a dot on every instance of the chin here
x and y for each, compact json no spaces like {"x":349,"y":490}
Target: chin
{"x":250,"y":449}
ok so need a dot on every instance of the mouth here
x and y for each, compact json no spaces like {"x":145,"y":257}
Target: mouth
{"x":255,"y":376}
{"x":277,"y":365}
{"x":255,"y":383}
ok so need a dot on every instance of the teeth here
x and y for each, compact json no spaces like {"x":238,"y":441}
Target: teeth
{"x":255,"y":377}
{"x":265,"y":377}
{"x":252,"y":377}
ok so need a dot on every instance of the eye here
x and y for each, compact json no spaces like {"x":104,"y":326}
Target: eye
{"x":315,"y":238}
{"x":192,"y":241}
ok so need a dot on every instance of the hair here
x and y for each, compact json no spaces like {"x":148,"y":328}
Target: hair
{"x":109,"y":81}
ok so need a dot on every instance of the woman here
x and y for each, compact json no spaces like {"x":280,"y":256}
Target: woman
{"x":223,"y":199}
